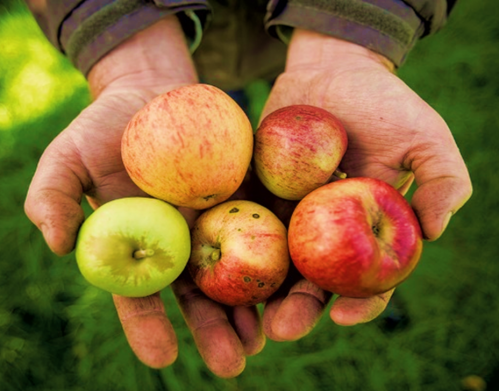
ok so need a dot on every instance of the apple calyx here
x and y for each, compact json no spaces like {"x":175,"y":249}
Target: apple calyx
{"x":377,"y":225}
{"x":215,"y":255}
{"x":211,"y":254}
{"x":141,"y":254}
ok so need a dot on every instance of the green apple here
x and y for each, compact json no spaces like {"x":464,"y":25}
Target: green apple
{"x":133,"y":246}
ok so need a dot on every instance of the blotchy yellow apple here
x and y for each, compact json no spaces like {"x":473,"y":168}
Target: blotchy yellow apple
{"x":190,"y":146}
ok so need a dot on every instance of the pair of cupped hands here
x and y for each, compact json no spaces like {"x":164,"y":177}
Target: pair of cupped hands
{"x":393,"y":136}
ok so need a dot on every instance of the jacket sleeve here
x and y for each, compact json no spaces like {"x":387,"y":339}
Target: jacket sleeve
{"x":86,"y":30}
{"x":388,"y":27}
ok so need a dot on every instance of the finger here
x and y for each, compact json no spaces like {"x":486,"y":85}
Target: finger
{"x":147,"y":329}
{"x":348,"y":311}
{"x":217,"y":342}
{"x":248,"y":326}
{"x":273,"y":304}
{"x":443,"y":182}
{"x":53,"y":200}
{"x":271,"y":308}
{"x":294,"y":316}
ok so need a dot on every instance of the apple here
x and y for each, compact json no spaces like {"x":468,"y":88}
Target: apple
{"x":133,"y":246}
{"x":239,"y":253}
{"x":191,"y":146}
{"x":297,"y":149}
{"x":356,"y":237}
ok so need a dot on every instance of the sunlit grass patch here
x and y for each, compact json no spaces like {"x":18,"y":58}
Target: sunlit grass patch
{"x":34,"y":77}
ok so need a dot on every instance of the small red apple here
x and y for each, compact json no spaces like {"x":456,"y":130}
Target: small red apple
{"x":297,"y":150}
{"x":239,"y":253}
{"x":191,"y":146}
{"x":356,"y":237}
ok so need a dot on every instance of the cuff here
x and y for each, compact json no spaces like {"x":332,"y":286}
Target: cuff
{"x":388,"y":27}
{"x":94,"y":27}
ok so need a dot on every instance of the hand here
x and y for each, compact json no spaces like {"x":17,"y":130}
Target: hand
{"x":85,"y":160}
{"x":393,"y":135}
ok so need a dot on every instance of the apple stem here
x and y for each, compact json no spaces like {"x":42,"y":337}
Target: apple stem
{"x":141,"y":254}
{"x":339,"y":174}
{"x":216,"y":255}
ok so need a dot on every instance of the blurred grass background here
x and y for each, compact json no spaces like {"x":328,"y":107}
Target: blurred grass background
{"x":58,"y":333}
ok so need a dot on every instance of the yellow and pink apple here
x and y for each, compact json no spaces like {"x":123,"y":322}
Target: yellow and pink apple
{"x":239,"y":253}
{"x":191,"y":146}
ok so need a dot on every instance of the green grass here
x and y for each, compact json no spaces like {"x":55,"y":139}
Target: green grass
{"x":58,"y":333}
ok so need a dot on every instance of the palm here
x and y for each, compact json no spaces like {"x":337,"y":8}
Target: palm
{"x":93,"y":148}
{"x":384,"y":119}
{"x":393,"y":135}
{"x":85,"y":159}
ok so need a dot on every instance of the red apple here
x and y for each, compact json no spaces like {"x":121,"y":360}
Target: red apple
{"x":356,"y":237}
{"x":239,"y":253}
{"x":190,"y":147}
{"x":297,"y":150}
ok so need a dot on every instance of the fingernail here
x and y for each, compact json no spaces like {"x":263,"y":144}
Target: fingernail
{"x":446,"y":221}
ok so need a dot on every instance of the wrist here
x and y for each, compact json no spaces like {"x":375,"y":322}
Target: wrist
{"x":154,"y":59}
{"x":311,"y":50}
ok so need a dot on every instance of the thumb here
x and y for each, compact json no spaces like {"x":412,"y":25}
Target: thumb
{"x":53,"y":199}
{"x":443,"y":182}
